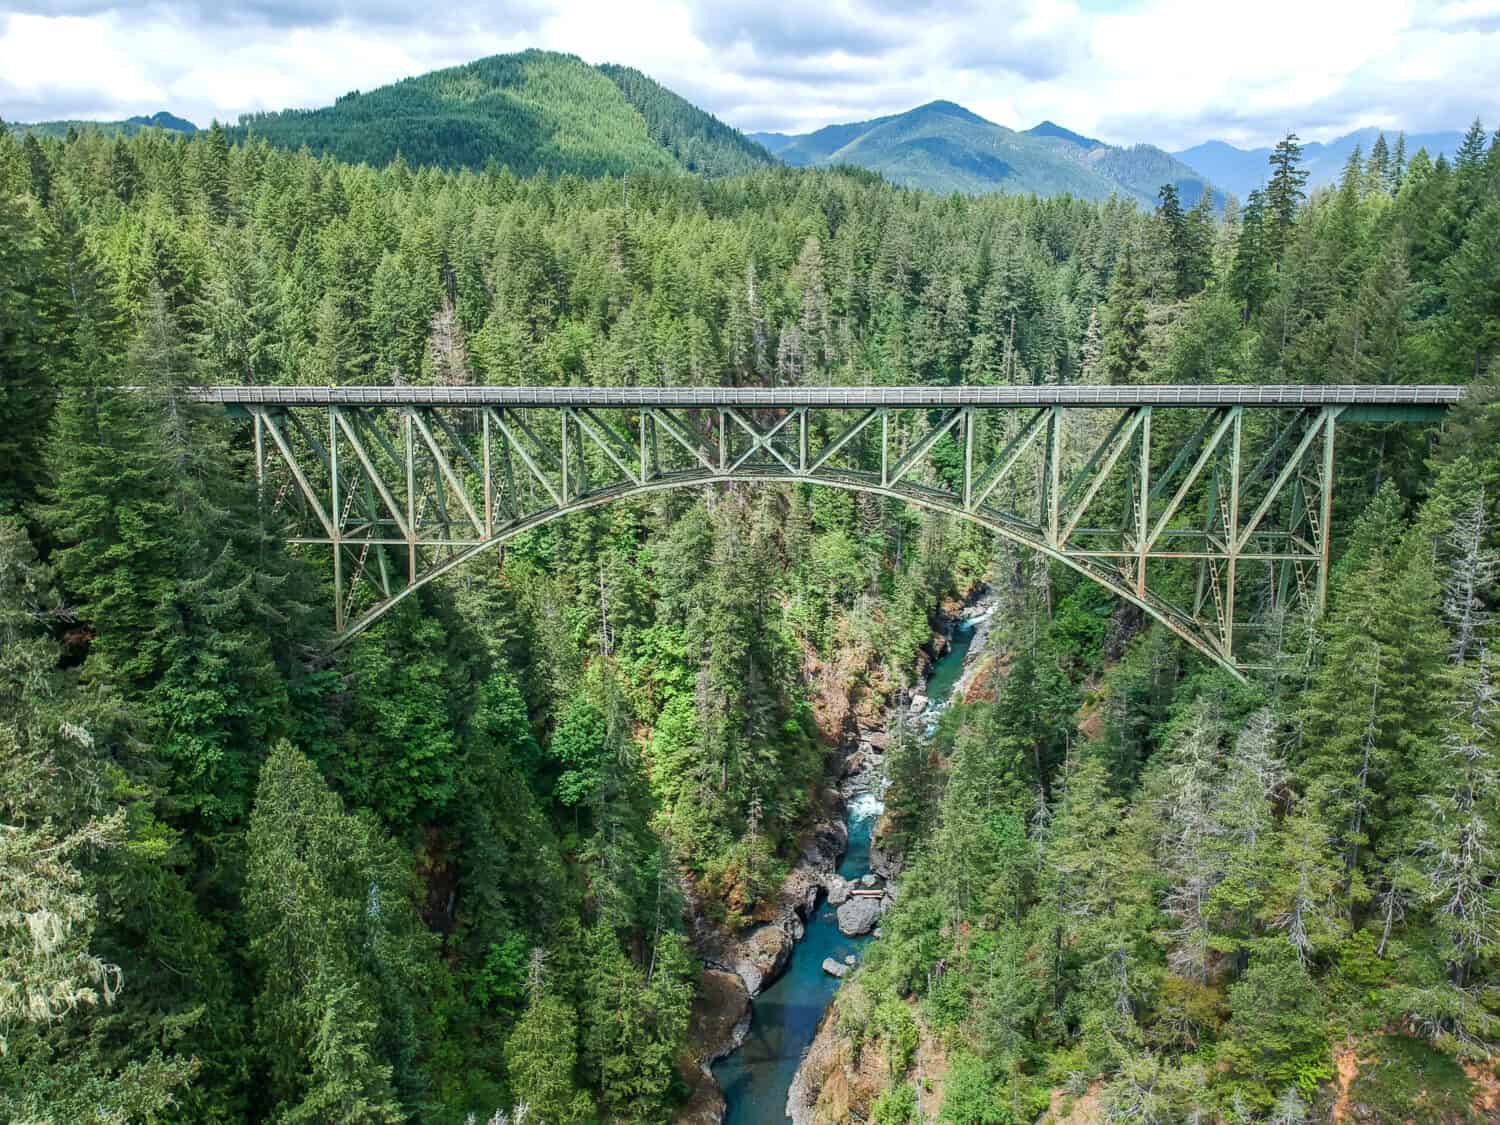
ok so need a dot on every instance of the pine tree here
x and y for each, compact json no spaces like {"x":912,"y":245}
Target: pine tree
{"x":1124,"y":325}
{"x":333,"y":931}
{"x":1284,"y":192}
{"x":1373,"y":755}
{"x":542,"y":1053}
{"x":1249,"y":272}
{"x":1378,"y":174}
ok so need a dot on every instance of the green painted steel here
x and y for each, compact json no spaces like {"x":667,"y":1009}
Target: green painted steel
{"x":1145,"y":490}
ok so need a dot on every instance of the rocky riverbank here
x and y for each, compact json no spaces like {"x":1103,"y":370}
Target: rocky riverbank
{"x":741,"y":964}
{"x":824,"y":1057}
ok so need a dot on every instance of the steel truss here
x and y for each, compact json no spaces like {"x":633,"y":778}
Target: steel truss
{"x":1210,"y":517}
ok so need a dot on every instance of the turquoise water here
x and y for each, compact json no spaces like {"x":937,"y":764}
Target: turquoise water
{"x":784,"y":1018}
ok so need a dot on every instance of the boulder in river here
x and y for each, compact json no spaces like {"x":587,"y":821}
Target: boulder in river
{"x":858,"y":916}
{"x":761,"y":957}
{"x":834,"y":968}
{"x":856,"y":762}
{"x":851,"y":960}
{"x":838,"y":890}
{"x":867,"y":880}
{"x":718,"y":1025}
{"x":918,"y":704}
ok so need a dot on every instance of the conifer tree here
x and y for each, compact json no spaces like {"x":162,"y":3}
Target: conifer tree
{"x":1124,"y":325}
{"x":1284,"y":191}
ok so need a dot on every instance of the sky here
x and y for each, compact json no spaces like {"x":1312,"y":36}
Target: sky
{"x":1167,"y":72}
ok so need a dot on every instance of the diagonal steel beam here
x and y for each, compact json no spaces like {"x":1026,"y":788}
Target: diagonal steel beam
{"x":499,"y":419}
{"x":923,"y":447}
{"x":1164,"y":481}
{"x":1143,"y":504}
{"x":760,"y":441}
{"x":854,"y":430}
{"x":458,"y":442}
{"x":679,"y":434}
{"x":1085,"y":471}
{"x":1122,"y":441}
{"x":278,"y":440}
{"x":616,"y":448}
{"x":1008,"y":458}
{"x":447,"y":471}
{"x":1187,"y":483}
{"x":1315,"y":426}
{"x":370,"y":471}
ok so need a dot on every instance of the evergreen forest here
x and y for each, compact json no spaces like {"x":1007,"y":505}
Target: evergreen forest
{"x":452,"y":873}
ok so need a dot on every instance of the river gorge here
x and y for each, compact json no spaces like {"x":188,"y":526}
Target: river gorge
{"x":784,"y":1017}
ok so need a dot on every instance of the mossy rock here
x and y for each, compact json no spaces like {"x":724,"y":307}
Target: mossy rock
{"x":1409,"y":1081}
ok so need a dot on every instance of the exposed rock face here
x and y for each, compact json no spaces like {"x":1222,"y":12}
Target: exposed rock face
{"x":762,"y":956}
{"x":719,"y":1022}
{"x":834,"y":968}
{"x":858,"y":916}
{"x":882,"y":862}
{"x":857,"y":762}
{"x":918,"y":704}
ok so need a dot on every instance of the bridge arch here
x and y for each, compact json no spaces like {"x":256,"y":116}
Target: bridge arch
{"x":1160,"y":611}
{"x":1146,"y":491}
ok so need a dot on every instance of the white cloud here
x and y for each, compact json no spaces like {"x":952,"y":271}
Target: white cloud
{"x":1172,"y":72}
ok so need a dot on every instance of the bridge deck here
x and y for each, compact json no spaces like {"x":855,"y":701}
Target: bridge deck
{"x":1273,"y":395}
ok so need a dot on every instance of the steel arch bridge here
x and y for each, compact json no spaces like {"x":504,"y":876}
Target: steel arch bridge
{"x":1206,"y":506}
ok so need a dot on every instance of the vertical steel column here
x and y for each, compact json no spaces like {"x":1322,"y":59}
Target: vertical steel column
{"x":1054,"y":475}
{"x":1233,"y":544}
{"x":562,"y":421}
{"x":489,"y":490}
{"x":802,"y":439}
{"x":1326,"y":505}
{"x":260,"y":456}
{"x":968,"y":455}
{"x":338,"y":518}
{"x":885,"y":436}
{"x":645,"y":470}
{"x":1143,"y":516}
{"x":723,"y":440}
{"x":411,"y":496}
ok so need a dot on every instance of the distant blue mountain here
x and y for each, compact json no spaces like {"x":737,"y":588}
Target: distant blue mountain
{"x":161,"y":119}
{"x":1052,"y":129}
{"x":943,"y":147}
{"x":128,"y":128}
{"x":1241,"y":170}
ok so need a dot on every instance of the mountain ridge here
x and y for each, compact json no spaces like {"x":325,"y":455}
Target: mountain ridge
{"x":161,"y":119}
{"x":1241,"y":170}
{"x":532,"y":112}
{"x":942,"y":146}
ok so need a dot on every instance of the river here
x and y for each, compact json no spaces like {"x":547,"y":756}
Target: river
{"x":784,"y":1018}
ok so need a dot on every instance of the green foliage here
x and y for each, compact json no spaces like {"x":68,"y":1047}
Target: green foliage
{"x":536,"y":111}
{"x":342,"y":955}
{"x":1276,"y":1036}
{"x":1118,"y":867}
{"x":540,"y":1057}
{"x":1406,"y":1080}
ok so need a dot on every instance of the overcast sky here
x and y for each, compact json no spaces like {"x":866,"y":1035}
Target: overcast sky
{"x":1171,"y":72}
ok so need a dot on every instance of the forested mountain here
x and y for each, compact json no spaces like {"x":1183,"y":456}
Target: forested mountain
{"x":439,"y":876}
{"x":533,"y":112}
{"x":943,"y":147}
{"x":127,"y":128}
{"x":1242,"y":170}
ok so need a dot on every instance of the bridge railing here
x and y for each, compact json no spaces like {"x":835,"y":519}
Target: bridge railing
{"x":1271,"y":395}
